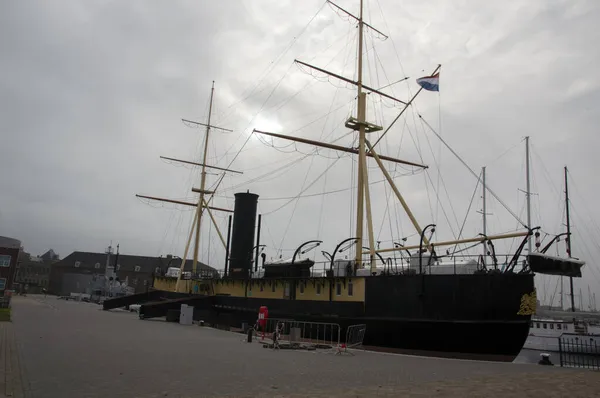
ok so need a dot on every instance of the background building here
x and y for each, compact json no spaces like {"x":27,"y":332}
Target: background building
{"x":33,"y":272}
{"x":79,"y":272}
{"x":9,"y":257}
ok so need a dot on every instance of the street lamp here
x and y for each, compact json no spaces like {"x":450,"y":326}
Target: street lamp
{"x":421,"y":245}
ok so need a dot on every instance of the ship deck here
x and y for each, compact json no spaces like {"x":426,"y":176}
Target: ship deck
{"x":74,"y":349}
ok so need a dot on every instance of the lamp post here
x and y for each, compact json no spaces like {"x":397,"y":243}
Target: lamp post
{"x":421,"y":245}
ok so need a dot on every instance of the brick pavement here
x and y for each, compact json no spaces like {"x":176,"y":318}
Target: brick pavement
{"x":74,"y":349}
{"x":11,"y":382}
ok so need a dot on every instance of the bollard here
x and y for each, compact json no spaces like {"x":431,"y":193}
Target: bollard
{"x":545,"y":360}
{"x":250,"y":331}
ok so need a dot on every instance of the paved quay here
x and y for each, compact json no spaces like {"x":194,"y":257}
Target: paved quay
{"x":69,"y":349}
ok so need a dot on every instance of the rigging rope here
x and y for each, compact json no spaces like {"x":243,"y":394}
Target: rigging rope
{"x":303,"y":190}
{"x":467,"y":214}
{"x":473,"y":173}
{"x":274,"y":63}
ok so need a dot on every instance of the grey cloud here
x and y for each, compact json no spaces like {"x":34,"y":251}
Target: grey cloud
{"x":91,"y":93}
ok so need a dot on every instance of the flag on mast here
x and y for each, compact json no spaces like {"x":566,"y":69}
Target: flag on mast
{"x":430,"y":83}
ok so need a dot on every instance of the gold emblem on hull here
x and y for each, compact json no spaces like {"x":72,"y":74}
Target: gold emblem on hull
{"x":528,"y":304}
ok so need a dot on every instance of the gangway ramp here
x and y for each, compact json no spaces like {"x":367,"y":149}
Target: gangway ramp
{"x":140,"y":298}
{"x":158,"y":309}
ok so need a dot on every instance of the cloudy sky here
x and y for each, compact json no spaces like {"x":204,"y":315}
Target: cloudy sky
{"x":92,"y":93}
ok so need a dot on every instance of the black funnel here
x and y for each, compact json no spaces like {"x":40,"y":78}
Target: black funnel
{"x":242,"y":235}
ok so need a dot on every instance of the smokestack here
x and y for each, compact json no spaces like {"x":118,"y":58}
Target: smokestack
{"x":242,"y":236}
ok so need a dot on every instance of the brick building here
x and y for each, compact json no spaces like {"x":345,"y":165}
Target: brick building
{"x":9,"y":257}
{"x":79,"y":271}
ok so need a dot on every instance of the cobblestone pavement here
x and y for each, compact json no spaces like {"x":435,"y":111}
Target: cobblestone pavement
{"x":71,"y":349}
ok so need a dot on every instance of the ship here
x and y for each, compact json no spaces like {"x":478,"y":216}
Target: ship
{"x":426,"y":299}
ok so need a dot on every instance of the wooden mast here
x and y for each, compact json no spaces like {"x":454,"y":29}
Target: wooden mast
{"x":360,"y":124}
{"x":361,"y":110}
{"x":181,"y":202}
{"x":202,"y":182}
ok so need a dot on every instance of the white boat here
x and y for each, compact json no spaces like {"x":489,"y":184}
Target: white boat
{"x":545,"y":333}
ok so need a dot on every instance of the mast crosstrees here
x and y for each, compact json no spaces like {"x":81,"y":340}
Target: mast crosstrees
{"x":360,"y":124}
{"x":202,"y":203}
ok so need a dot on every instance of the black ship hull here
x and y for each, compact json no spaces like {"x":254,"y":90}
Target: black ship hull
{"x":484,"y":316}
{"x":497,"y":341}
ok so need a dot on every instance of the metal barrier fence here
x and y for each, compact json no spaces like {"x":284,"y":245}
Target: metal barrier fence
{"x":580,"y":351}
{"x":355,"y":334}
{"x":319,"y":334}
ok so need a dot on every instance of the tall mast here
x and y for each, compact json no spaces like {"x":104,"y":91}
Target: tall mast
{"x":561,"y":293}
{"x":484,"y":214}
{"x":362,"y":172}
{"x":528,"y":193}
{"x":202,"y":183}
{"x":360,"y":124}
{"x":569,"y":253}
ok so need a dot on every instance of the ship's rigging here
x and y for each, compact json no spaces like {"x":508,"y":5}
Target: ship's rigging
{"x":362,"y":149}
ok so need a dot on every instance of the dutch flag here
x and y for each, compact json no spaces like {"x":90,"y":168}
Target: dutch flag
{"x":431,"y":83}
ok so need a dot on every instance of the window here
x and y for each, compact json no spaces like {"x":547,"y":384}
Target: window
{"x":4,"y":260}
{"x":137,"y":268}
{"x":301,"y":287}
{"x":545,"y":326}
{"x":559,"y":326}
{"x":350,"y":289}
{"x":537,"y":325}
{"x":97,"y":265}
{"x":77,"y":264}
{"x":319,"y":289}
{"x":338,"y":289}
{"x":551,"y":326}
{"x":2,"y":283}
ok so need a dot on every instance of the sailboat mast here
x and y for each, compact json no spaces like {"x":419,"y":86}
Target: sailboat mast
{"x":202,"y":183}
{"x":484,"y":214}
{"x":569,"y":235}
{"x":528,"y":193}
{"x":362,"y":191}
{"x":561,"y":293}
